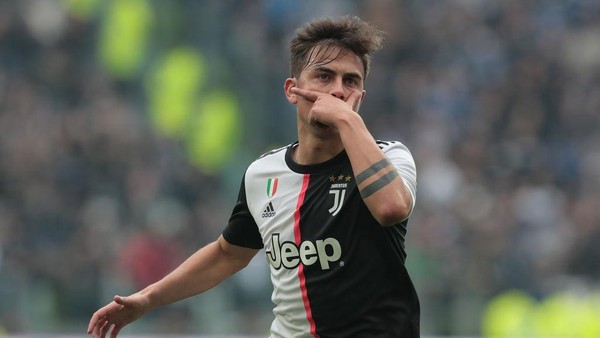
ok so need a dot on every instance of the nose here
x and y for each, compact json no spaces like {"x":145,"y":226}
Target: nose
{"x":337,"y":89}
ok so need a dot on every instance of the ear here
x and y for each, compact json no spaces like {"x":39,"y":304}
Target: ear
{"x":287,"y":86}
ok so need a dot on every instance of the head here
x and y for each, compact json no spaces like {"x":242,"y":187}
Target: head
{"x":331,"y":38}
{"x":330,"y":56}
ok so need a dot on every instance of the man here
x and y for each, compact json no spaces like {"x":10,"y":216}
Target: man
{"x":330,"y":210}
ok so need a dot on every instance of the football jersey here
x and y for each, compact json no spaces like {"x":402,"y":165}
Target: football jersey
{"x":336,"y":272}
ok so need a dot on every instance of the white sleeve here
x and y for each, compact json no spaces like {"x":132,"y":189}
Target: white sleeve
{"x":404,"y":163}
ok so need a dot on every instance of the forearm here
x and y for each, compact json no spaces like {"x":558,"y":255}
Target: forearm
{"x":382,"y":189}
{"x":203,"y":270}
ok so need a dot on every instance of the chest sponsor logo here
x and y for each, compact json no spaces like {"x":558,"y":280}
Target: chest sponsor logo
{"x":289,"y":255}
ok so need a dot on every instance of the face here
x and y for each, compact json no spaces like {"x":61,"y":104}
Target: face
{"x":333,"y":71}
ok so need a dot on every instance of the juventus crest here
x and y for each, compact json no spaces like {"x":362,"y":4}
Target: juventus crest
{"x":338,"y":190}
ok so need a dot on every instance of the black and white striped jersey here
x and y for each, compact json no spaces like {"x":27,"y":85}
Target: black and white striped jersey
{"x":335,"y":271}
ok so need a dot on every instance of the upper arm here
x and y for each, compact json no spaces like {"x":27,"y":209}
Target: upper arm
{"x":238,"y":255}
{"x":388,"y":185}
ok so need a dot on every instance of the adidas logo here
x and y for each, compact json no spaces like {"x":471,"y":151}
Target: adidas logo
{"x":269,"y":211}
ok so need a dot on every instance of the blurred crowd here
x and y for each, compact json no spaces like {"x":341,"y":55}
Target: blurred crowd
{"x":498,"y":101}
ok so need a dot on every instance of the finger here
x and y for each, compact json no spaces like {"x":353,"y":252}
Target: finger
{"x":310,"y":95}
{"x":116,"y":329}
{"x":104,"y":329}
{"x":97,"y":331}
{"x":354,"y":100}
{"x":92,"y":324}
{"x":95,"y":321}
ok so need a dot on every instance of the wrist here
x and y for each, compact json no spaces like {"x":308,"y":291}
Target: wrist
{"x":350,"y":123}
{"x":151,"y":296}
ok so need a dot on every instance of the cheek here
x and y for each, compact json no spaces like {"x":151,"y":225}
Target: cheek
{"x":304,"y":105}
{"x":312,"y":84}
{"x":303,"y":109}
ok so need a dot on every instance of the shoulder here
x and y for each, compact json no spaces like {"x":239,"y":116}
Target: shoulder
{"x":270,"y":160}
{"x":278,"y":151}
{"x":392,"y":146}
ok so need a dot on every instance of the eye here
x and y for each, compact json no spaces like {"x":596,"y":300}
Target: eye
{"x":323,"y":76}
{"x":352,"y":81}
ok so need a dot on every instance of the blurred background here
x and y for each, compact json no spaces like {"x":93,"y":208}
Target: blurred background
{"x":126,"y":126}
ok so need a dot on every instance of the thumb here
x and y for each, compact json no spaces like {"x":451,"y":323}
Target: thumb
{"x":122,"y":300}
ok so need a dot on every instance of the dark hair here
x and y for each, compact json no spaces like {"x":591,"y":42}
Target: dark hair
{"x":347,"y":33}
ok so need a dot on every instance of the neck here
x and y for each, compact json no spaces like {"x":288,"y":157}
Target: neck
{"x":315,"y":151}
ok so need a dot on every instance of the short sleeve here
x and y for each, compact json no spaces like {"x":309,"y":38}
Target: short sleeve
{"x":404,"y":163}
{"x":241,"y":229}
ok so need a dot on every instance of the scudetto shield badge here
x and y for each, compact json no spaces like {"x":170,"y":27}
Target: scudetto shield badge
{"x":272,"y":186}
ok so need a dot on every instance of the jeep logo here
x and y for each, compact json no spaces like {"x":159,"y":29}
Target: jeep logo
{"x":289,"y":255}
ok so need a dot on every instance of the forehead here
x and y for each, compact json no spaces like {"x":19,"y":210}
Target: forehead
{"x":333,"y":56}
